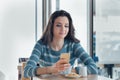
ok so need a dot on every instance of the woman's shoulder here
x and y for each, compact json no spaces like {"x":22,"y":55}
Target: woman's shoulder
{"x":40,"y":42}
{"x":71,"y":42}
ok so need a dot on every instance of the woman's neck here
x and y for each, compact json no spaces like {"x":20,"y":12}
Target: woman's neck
{"x":57,"y":44}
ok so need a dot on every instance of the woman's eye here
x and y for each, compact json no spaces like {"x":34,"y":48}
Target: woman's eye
{"x":66,"y":26}
{"x":58,"y":25}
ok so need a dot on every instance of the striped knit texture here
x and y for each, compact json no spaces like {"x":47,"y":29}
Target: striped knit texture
{"x":45,"y":56}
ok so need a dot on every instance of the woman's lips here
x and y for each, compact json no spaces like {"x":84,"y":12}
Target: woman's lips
{"x":62,"y":33}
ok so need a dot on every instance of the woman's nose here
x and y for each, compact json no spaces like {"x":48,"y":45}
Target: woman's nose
{"x":63,"y":27}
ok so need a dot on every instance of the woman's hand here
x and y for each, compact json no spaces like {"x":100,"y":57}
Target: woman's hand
{"x":61,"y":65}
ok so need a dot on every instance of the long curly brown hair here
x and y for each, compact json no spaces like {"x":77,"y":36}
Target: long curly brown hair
{"x":47,"y":36}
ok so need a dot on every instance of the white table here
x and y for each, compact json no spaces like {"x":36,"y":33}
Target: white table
{"x":61,"y":77}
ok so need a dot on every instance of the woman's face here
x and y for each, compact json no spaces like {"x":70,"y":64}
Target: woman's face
{"x":61,"y":27}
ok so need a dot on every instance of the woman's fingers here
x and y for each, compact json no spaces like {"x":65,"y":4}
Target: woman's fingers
{"x":61,"y":65}
{"x":64,"y":66}
{"x":63,"y":61}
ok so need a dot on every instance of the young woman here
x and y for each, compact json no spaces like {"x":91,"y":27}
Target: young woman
{"x":58,"y":38}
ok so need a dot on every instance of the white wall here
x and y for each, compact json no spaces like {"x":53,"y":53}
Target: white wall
{"x":17,"y":34}
{"x":78,"y":11}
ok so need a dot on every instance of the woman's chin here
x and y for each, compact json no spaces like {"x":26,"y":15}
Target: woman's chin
{"x":61,"y":37}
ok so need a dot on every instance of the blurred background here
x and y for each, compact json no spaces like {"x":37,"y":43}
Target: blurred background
{"x":97,"y":25}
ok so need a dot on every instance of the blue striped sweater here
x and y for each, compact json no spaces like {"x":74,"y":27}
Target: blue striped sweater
{"x":45,"y":56}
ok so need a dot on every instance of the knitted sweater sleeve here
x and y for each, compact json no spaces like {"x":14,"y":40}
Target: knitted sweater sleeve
{"x":85,"y":58}
{"x":31,"y":65}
